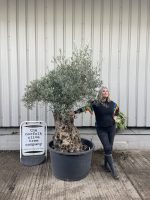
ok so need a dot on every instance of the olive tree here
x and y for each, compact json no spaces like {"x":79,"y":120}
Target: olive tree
{"x":63,"y":88}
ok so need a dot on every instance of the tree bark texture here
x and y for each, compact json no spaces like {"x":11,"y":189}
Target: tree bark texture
{"x":67,"y":137}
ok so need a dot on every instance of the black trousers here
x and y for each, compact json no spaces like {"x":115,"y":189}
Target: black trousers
{"x":106,"y":136}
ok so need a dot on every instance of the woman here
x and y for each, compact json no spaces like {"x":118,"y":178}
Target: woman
{"x":104,"y":110}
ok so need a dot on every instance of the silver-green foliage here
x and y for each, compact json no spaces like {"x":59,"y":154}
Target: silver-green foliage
{"x":72,"y":80}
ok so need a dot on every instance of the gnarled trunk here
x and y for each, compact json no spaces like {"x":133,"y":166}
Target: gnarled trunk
{"x":66,"y":136}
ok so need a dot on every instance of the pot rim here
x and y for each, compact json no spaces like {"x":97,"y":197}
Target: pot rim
{"x":73,"y":153}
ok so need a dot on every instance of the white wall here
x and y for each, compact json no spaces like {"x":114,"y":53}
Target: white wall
{"x":32,"y":32}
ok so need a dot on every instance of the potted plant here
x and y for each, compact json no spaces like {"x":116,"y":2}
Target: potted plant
{"x":63,"y":89}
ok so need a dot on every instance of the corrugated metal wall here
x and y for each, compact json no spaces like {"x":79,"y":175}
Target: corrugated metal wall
{"x":32,"y":32}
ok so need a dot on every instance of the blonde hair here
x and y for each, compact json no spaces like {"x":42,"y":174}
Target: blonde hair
{"x":100,"y":96}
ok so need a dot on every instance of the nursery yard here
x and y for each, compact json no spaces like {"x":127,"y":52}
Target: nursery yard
{"x":18,"y":182}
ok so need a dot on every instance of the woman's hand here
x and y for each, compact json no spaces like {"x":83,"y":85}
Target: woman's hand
{"x":91,"y":100}
{"x":72,"y":114}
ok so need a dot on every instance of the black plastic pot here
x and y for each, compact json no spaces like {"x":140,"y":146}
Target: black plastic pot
{"x":71,"y":166}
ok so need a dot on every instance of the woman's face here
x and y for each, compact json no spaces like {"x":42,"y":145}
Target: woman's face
{"x":105,"y":93}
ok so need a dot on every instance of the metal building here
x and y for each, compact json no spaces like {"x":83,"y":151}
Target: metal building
{"x":32,"y":32}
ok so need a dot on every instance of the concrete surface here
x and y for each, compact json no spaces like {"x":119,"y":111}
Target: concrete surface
{"x":132,"y":138}
{"x":18,"y":182}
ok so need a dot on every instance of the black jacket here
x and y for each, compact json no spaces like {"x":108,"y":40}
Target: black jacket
{"x":104,"y":112}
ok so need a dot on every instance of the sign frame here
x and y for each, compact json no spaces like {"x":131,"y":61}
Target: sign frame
{"x":33,"y":132}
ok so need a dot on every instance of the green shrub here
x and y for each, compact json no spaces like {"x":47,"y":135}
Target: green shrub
{"x":120,"y":121}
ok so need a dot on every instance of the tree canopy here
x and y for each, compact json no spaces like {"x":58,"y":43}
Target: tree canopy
{"x":72,"y":80}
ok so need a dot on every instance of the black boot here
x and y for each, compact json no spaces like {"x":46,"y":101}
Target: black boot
{"x":106,"y":165}
{"x":109,"y":159}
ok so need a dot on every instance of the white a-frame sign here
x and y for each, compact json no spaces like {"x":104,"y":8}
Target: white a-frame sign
{"x":33,"y":142}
